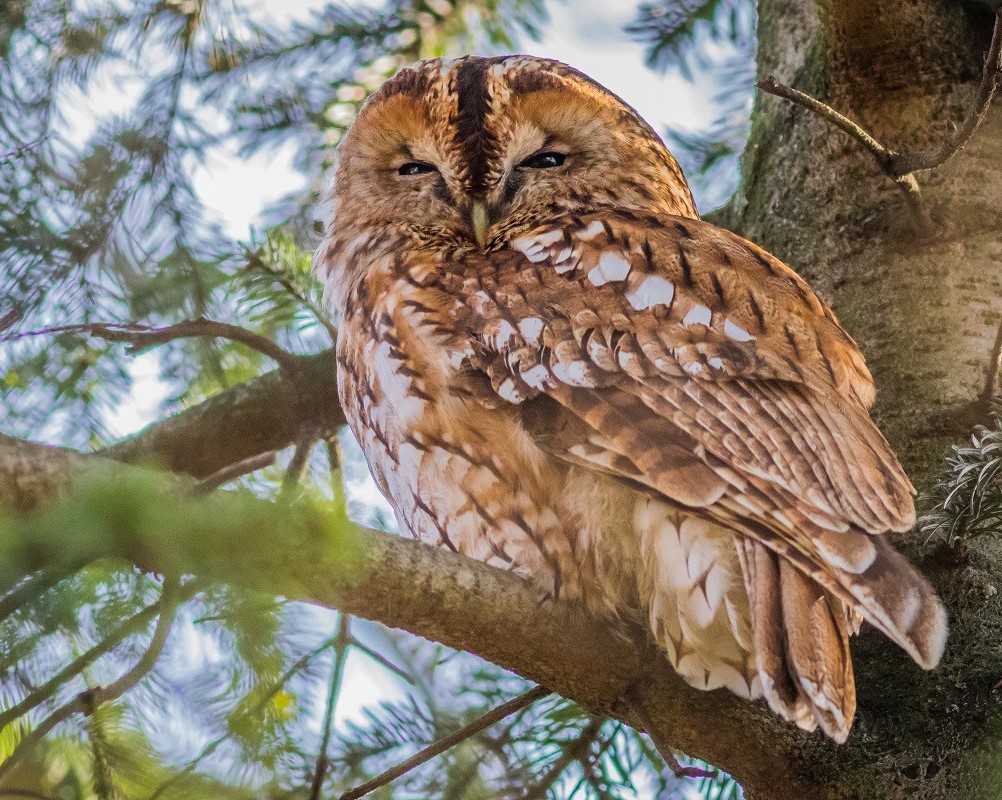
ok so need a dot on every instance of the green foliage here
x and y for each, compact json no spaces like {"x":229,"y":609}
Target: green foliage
{"x":706,"y":40}
{"x":966,"y":499}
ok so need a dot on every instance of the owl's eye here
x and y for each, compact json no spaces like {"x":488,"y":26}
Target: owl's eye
{"x":544,"y":160}
{"x":416,"y":168}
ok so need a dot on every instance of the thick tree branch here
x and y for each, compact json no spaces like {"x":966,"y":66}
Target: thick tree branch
{"x":434,"y":593}
{"x":262,"y":415}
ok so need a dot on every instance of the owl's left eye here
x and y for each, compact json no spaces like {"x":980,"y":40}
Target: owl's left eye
{"x":544,"y":160}
{"x":416,"y":168}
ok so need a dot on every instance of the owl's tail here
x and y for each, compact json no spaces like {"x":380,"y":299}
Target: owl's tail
{"x":801,"y":624}
{"x":801,"y":642}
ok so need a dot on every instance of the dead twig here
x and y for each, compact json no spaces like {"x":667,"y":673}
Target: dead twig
{"x":141,"y":337}
{"x":900,"y":167}
{"x":438,"y":747}
{"x":994,"y":368}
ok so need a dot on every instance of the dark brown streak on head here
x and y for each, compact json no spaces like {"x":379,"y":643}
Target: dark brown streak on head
{"x":472,"y":107}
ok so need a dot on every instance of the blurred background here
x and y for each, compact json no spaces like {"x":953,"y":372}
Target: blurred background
{"x":163,"y":161}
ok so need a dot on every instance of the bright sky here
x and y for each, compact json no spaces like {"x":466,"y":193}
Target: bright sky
{"x":587,"y":34}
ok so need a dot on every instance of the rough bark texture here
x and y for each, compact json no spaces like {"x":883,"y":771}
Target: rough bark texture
{"x":926,"y":315}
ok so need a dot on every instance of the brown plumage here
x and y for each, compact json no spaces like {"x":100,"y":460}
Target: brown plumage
{"x":553,"y":365}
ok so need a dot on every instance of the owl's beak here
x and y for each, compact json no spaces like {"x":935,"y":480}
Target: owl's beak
{"x":480,"y":221}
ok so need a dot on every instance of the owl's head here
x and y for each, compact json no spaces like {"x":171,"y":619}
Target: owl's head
{"x":473,"y":151}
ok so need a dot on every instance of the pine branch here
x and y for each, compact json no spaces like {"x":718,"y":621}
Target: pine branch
{"x":209,"y":748}
{"x":446,"y":742}
{"x":342,"y":641}
{"x":130,"y":627}
{"x":88,"y":700}
{"x":573,"y":751}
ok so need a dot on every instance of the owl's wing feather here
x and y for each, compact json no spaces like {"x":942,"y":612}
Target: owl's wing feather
{"x":687,"y":360}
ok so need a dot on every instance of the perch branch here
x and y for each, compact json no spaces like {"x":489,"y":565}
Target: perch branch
{"x":141,"y":337}
{"x":446,"y":742}
{"x":401,"y":583}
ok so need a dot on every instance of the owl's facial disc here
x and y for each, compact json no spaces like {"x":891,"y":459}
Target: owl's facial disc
{"x":475,"y":151}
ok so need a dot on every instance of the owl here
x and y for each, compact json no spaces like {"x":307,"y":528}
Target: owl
{"x":553,"y":365}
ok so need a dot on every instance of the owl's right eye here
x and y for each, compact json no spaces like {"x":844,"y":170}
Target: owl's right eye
{"x":416,"y":168}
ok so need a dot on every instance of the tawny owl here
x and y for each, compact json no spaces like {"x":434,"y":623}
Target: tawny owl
{"x":554,"y":366}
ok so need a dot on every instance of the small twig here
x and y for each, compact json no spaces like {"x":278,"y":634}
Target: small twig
{"x":231,"y":472}
{"x":664,"y":748}
{"x":141,"y":337}
{"x":438,"y":747}
{"x":994,"y":368}
{"x":297,"y":464}
{"x":574,"y":751}
{"x":342,"y":641}
{"x":92,"y":698}
{"x":900,"y":167}
{"x":928,"y":159}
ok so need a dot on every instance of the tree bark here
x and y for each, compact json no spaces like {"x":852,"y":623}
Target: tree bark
{"x":926,"y":315}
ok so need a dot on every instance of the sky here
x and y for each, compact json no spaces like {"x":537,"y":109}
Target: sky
{"x":588,"y":35}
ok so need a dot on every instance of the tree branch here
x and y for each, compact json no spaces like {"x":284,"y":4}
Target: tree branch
{"x":141,"y":337}
{"x":260,"y":416}
{"x":434,"y":593}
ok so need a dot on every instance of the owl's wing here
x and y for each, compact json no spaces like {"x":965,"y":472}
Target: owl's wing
{"x":687,"y":361}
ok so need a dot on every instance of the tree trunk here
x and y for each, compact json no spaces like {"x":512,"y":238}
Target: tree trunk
{"x":926,"y":315}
